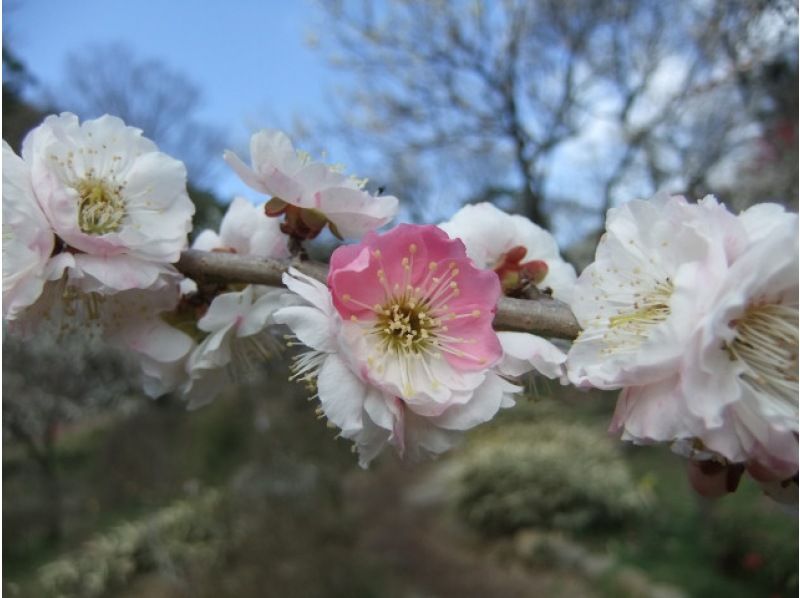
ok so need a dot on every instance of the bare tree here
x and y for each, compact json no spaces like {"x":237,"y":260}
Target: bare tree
{"x":147,"y":94}
{"x":512,"y":89}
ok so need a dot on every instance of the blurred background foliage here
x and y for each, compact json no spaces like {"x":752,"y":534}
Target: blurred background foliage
{"x":107,"y":493}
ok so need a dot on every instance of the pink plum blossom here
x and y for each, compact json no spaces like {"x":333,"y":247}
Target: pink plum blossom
{"x":311,"y":194}
{"x":402,"y":349}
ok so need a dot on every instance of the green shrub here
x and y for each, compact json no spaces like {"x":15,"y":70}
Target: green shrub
{"x":182,"y":534}
{"x":547,"y":474}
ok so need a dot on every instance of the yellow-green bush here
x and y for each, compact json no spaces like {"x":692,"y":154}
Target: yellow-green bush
{"x":548,"y":474}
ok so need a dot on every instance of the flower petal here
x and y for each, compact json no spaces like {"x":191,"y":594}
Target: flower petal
{"x":342,"y":395}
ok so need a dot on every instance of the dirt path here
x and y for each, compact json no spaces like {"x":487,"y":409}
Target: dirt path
{"x":431,"y":553}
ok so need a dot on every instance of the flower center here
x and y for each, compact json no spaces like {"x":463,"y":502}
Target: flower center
{"x":411,"y":319}
{"x":630,"y":327}
{"x":651,"y":309}
{"x":766,"y":342}
{"x":406,"y":325}
{"x":100,"y":207}
{"x":411,"y":325}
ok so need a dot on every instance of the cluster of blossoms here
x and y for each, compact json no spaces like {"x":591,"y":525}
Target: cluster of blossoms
{"x":690,"y":310}
{"x":693,"y":311}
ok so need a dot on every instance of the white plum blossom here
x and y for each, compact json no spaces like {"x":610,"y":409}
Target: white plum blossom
{"x":247,"y":231}
{"x":311,"y":194}
{"x":402,"y":349}
{"x":92,"y":214}
{"x":693,"y":312}
{"x":28,"y":240}
{"x":198,"y":348}
{"x":490,"y":234}
{"x":653,"y":278}
{"x":162,"y":350}
{"x":118,"y":206}
{"x":235,"y":333}
{"x":520,"y":252}
{"x":745,"y":352}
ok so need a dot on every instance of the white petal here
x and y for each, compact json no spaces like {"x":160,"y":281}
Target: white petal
{"x":244,"y":172}
{"x":248,"y":230}
{"x":370,"y":442}
{"x":310,"y":325}
{"x":204,"y":387}
{"x":355,"y":212}
{"x":422,"y":438}
{"x":119,"y":272}
{"x":483,"y":406}
{"x":313,"y":291}
{"x":341,"y":395}
{"x":227,"y":309}
{"x":525,"y":352}
{"x":654,"y":413}
{"x":207,"y":240}
{"x":158,"y":340}
{"x":27,"y":237}
{"x":266,"y":302}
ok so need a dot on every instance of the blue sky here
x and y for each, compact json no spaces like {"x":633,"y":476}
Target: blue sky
{"x":249,"y":57}
{"x":251,"y":60}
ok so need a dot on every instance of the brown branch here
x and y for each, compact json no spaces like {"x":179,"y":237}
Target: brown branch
{"x":544,"y":316}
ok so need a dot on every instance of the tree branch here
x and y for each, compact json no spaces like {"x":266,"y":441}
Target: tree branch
{"x":545,"y":316}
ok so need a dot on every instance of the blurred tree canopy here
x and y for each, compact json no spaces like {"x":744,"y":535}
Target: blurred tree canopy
{"x":561,"y":108}
{"x":148,"y":94}
{"x":19,"y":116}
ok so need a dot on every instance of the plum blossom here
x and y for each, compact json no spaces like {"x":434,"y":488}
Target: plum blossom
{"x":310,"y":194}
{"x":401,"y":348}
{"x":117,"y":205}
{"x":693,"y":312}
{"x":501,"y":241}
{"x":653,"y":278}
{"x":246,"y":231}
{"x":28,"y":240}
{"x":744,"y":353}
{"x":93,"y":212}
{"x":214,"y":332}
{"x":639,"y":303}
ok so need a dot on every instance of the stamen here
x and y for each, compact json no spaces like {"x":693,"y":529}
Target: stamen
{"x":766,"y":343}
{"x":101,"y":207}
{"x":628,"y":329}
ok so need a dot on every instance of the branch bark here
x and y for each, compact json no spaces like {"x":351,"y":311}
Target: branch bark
{"x":544,"y":316}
